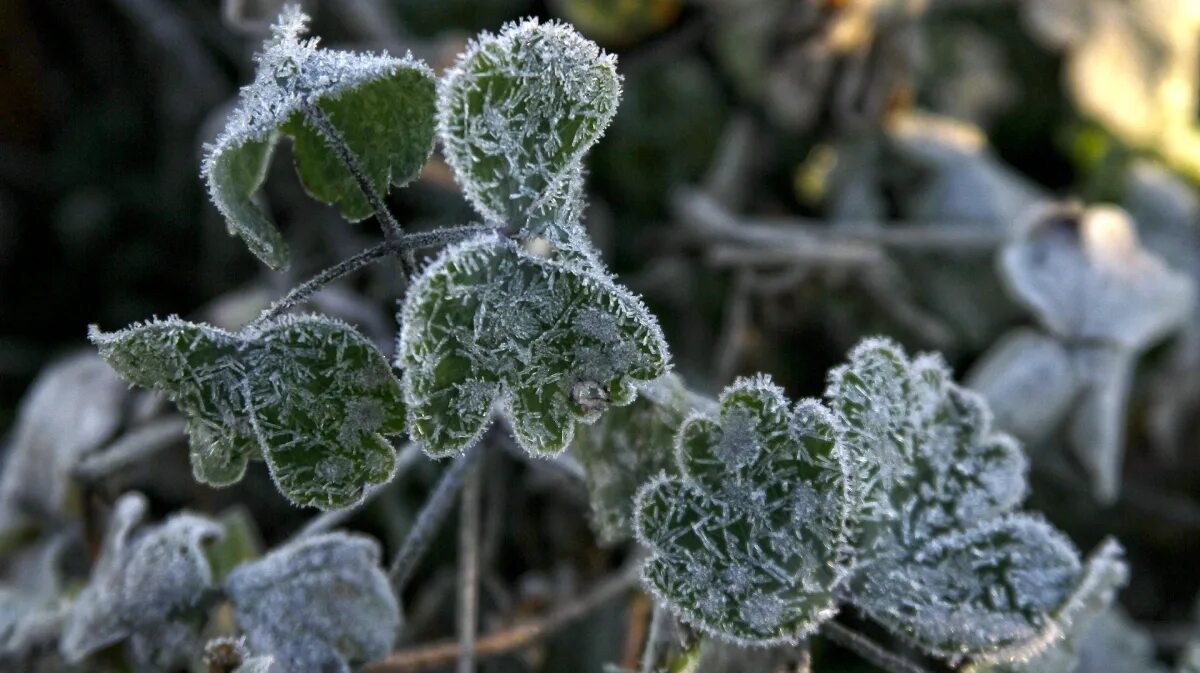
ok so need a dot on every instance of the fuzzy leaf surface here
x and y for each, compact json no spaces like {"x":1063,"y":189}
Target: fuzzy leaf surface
{"x":518,"y":112}
{"x":748,"y":541}
{"x":148,"y":589}
{"x":550,"y":344}
{"x":942,"y":561}
{"x":383,"y":107}
{"x":318,"y":604}
{"x":308,"y":394}
{"x":1086,"y":277}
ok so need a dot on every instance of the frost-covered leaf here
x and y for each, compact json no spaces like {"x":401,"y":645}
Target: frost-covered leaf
{"x":73,"y":407}
{"x":627,"y":447}
{"x":32,"y":608}
{"x":1029,"y":381}
{"x":318,"y":604}
{"x":1097,"y":425}
{"x":518,"y":112}
{"x":749,"y":542}
{"x":383,"y":107}
{"x":149,"y":589}
{"x":941,"y":560}
{"x":308,"y":394}
{"x":549,"y":343}
{"x":1070,"y":631}
{"x":1087,"y":278}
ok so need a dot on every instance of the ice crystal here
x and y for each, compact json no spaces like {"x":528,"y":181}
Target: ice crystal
{"x":383,"y":107}
{"x":730,"y":551}
{"x":489,"y":324}
{"x":148,"y":589}
{"x":942,"y":560}
{"x":517,"y":113}
{"x":318,"y":604}
{"x":629,"y":446}
{"x":308,"y":394}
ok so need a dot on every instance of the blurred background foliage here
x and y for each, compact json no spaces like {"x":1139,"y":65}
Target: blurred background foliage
{"x":829,"y":120}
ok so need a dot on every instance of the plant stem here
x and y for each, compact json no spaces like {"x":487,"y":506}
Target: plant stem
{"x":514,"y":637}
{"x":868,"y":649}
{"x":408,"y":242}
{"x":134,"y":446}
{"x":430,"y":518}
{"x":392,"y":230}
{"x":653,"y":637}
{"x":468,"y":572}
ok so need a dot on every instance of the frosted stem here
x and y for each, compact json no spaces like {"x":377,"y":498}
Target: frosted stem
{"x":406,"y":243}
{"x":392,"y":230}
{"x":468,"y":572}
{"x":653,"y":638}
{"x":430,"y":518}
{"x":868,"y":649}
{"x":135,"y":446}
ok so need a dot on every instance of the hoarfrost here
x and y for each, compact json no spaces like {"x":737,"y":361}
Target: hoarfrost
{"x":729,"y":552}
{"x":308,"y":394}
{"x":318,"y":604}
{"x":489,"y":324}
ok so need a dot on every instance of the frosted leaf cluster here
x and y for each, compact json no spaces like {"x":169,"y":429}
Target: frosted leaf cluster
{"x":307,"y":394}
{"x":549,"y":343}
{"x":627,"y":447}
{"x":941,"y":558}
{"x":517,"y":113}
{"x":382,"y":106}
{"x":749,"y":541}
{"x":1101,"y":299}
{"x":318,"y":604}
{"x":147,"y":588}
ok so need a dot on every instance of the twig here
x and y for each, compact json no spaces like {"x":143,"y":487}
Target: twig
{"x":392,"y":230}
{"x":468,"y":572}
{"x":131,"y":448}
{"x":409,"y":454}
{"x":430,"y":518}
{"x":653,"y":639}
{"x":868,"y":649}
{"x":513,"y":637}
{"x":408,"y":242}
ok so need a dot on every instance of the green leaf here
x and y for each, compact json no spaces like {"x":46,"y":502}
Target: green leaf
{"x":942,"y":561}
{"x":550,"y":344}
{"x":320,"y":603}
{"x":383,"y":107}
{"x":749,"y":542}
{"x":308,"y":394}
{"x":627,"y":447}
{"x":517,"y":113}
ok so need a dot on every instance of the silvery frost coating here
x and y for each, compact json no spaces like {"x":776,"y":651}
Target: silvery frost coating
{"x":1092,"y":286}
{"x":551,"y":344}
{"x":627,"y":447}
{"x":382,"y":106}
{"x":942,"y":560}
{"x":749,"y":542}
{"x":307,"y":394}
{"x":1091,"y":601}
{"x":147,"y":588}
{"x":318,"y":604}
{"x":517,"y":113}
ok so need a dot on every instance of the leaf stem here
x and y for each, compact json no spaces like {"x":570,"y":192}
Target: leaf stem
{"x":407,"y":242}
{"x":868,"y":649}
{"x":653,"y":638}
{"x":468,"y":572}
{"x":430,"y":518}
{"x":392,"y":230}
{"x":514,"y":637}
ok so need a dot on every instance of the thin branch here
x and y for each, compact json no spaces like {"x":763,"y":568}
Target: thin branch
{"x":868,"y":649}
{"x":468,"y":572}
{"x":392,"y":230}
{"x":134,"y":446}
{"x":516,"y":636}
{"x":408,"y":456}
{"x":408,"y":242}
{"x":654,"y":638}
{"x":430,"y":518}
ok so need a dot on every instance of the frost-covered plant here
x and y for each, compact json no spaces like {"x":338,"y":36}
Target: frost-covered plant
{"x":1101,"y":299}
